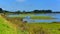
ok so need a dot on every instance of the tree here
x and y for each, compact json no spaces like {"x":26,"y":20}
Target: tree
{"x":1,"y":11}
{"x":49,"y":11}
{"x":6,"y":11}
{"x":42,"y":11}
{"x":36,"y":11}
{"x":24,"y":11}
{"x":18,"y":12}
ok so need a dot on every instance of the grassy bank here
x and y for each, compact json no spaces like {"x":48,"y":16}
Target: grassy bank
{"x":47,"y":28}
{"x":7,"y":27}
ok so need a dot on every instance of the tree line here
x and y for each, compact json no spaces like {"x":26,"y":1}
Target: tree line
{"x":34,"y":11}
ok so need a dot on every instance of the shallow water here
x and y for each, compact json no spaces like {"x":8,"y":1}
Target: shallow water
{"x":31,"y":20}
{"x":27,"y":18}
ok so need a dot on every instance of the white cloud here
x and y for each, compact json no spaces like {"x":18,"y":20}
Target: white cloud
{"x":21,"y":0}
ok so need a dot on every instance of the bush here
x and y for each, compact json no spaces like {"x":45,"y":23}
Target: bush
{"x":54,"y":22}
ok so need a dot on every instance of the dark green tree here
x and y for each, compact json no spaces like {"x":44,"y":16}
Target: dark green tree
{"x":18,"y":12}
{"x":49,"y":11}
{"x":1,"y":10}
{"x":36,"y":11}
{"x":24,"y":11}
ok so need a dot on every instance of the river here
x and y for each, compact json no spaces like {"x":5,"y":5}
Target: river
{"x":27,"y":18}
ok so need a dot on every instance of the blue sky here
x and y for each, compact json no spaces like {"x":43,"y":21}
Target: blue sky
{"x":13,"y":5}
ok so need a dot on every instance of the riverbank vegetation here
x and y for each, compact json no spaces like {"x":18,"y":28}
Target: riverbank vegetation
{"x":15,"y":25}
{"x":6,"y":27}
{"x":33,"y":16}
{"x":30,"y":28}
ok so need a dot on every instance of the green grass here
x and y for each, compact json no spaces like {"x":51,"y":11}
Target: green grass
{"x":41,"y":17}
{"x":32,"y":16}
{"x":50,"y":28}
{"x":5,"y":28}
{"x":8,"y":28}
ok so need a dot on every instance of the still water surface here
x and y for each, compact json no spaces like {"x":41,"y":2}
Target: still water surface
{"x":27,"y":18}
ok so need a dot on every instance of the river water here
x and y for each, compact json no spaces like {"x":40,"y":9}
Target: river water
{"x":27,"y":18}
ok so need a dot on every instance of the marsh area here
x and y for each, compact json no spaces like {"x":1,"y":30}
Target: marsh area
{"x":36,"y":18}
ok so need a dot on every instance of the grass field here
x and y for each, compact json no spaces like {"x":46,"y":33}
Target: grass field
{"x":7,"y":27}
{"x":48,"y":28}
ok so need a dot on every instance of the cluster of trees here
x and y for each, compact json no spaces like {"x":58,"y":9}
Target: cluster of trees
{"x":3,"y":11}
{"x":42,"y":11}
{"x":34,"y":11}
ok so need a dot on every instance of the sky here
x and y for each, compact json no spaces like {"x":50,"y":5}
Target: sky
{"x":29,"y":5}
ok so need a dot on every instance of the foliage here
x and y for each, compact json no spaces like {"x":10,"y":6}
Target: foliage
{"x":7,"y":27}
{"x":1,"y":10}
